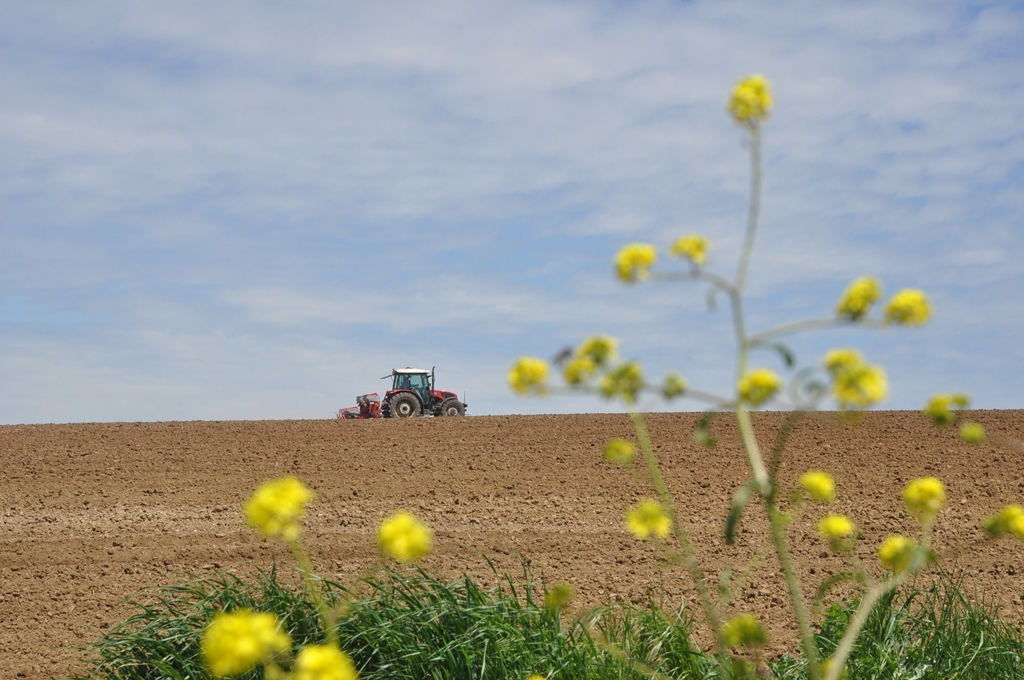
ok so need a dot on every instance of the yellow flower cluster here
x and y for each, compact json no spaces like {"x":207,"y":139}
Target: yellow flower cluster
{"x":859,"y":296}
{"x":842,"y":358}
{"x":237,"y":642}
{"x":909,"y":307}
{"x":744,"y":631}
{"x":751,"y":100}
{"x":323,"y":662}
{"x":860,"y":386}
{"x":758,"y":386}
{"x":579,"y":370}
{"x":625,"y":380}
{"x":600,"y":349}
{"x":826,"y":666}
{"x":940,"y":408}
{"x":972,"y":433}
{"x":649,"y":518}
{"x":634,"y":261}
{"x":833,"y":527}
{"x":594,"y":353}
{"x":675,"y":385}
{"x":693,"y":246}
{"x":619,"y":451}
{"x":277,"y":508}
{"x":896,"y":552}
{"x":1008,"y":520}
{"x":404,"y":538}
{"x":855,"y":383}
{"x":558,"y":597}
{"x":819,"y":485}
{"x":924,"y":497}
{"x":528,"y":375}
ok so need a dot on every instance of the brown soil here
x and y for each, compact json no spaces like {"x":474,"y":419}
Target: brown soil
{"x":91,"y":513}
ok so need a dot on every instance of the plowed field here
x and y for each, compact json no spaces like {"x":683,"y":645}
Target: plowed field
{"x":91,"y":513}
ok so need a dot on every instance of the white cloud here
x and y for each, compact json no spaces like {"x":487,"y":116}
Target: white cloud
{"x":254,"y":194}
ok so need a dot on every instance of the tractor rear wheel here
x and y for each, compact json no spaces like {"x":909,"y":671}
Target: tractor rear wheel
{"x":405,"y":406}
{"x":453,"y":407}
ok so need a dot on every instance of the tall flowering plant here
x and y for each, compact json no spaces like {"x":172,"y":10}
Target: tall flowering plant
{"x":844,"y":376}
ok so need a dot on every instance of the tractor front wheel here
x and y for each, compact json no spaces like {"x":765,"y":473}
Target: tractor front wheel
{"x":453,"y":407}
{"x":405,"y":406}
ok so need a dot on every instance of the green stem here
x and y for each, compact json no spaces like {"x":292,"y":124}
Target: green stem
{"x":755,"y":208}
{"x":689,"y":555}
{"x":313,"y":589}
{"x":810,"y":325}
{"x":775,"y":518}
{"x":695,"y":275}
{"x":780,"y":441}
{"x":742,"y":413}
{"x":753,"y":451}
{"x":860,"y":617}
{"x":742,"y":344}
{"x":803,"y":618}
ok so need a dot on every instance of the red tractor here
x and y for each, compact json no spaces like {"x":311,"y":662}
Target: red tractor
{"x":412,"y":394}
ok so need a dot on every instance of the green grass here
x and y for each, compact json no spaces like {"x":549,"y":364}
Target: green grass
{"x":409,"y":625}
{"x":931,"y":633}
{"x":161,"y":640}
{"x":403,"y":625}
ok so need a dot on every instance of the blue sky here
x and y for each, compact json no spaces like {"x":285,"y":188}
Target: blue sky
{"x":255,"y":210}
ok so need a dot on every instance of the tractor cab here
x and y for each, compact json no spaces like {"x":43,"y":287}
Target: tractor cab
{"x":416,"y":380}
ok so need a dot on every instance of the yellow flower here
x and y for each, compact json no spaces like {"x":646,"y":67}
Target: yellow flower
{"x":528,"y":375}
{"x":693,"y":246}
{"x":972,"y":433}
{"x":647,"y":518}
{"x":633,"y":261}
{"x":859,"y":296}
{"x":895,"y":552}
{"x":826,"y":666}
{"x":592,"y":354}
{"x":940,"y":407}
{"x":625,"y":381}
{"x":1009,"y":519}
{"x":819,"y":485}
{"x":859,"y":386}
{"x":558,"y":597}
{"x":1016,"y":527}
{"x":323,"y":662}
{"x":751,"y":100}
{"x":404,"y":538}
{"x":600,"y":349}
{"x":536,"y":677}
{"x":619,"y":451}
{"x":277,"y":507}
{"x":758,"y":386}
{"x":835,"y":526}
{"x":855,"y":384}
{"x":579,"y":370}
{"x":675,"y":385}
{"x":744,"y":631}
{"x":924,"y":497}
{"x":909,"y":307}
{"x":842,"y":358}
{"x":235,"y":643}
